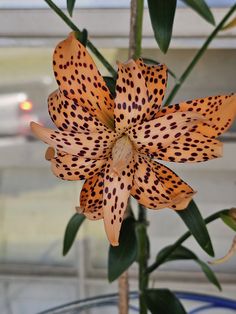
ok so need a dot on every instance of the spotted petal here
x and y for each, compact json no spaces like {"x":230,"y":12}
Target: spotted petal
{"x":192,"y":147}
{"x":88,"y":145}
{"x":91,"y":197}
{"x":154,"y":135}
{"x":156,"y":186}
{"x":80,"y":80}
{"x":131,"y":102}
{"x":219,"y":111}
{"x":67,"y":115}
{"x":70,"y":167}
{"x":115,"y":197}
{"x":156,"y":80}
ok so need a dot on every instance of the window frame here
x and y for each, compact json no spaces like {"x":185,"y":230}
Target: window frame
{"x":30,"y":27}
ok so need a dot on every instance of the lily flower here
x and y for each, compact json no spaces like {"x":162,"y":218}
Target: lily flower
{"x":111,"y":143}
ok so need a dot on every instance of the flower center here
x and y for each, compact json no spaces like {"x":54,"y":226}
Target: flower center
{"x":122,"y":153}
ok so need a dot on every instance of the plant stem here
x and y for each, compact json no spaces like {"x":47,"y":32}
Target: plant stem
{"x":136,"y":25}
{"x":123,"y":280}
{"x":94,"y":50}
{"x":124,"y":293}
{"x":198,"y":55}
{"x":143,"y":255}
{"x":184,"y":237}
{"x":135,"y":47}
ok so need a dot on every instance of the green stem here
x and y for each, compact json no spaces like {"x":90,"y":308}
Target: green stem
{"x":136,"y":25}
{"x":143,"y":255}
{"x":136,"y":21}
{"x":139,"y":28}
{"x":198,"y":56}
{"x":94,"y":50}
{"x":184,"y":237}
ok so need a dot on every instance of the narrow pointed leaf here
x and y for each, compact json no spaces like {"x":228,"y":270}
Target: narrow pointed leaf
{"x":228,"y":220}
{"x":196,"y":225}
{"x":122,"y":257}
{"x":71,"y":230}
{"x":82,"y":37}
{"x":209,"y":273}
{"x":162,"y":15}
{"x":163,"y":301}
{"x":201,"y":7}
{"x":70,"y":6}
{"x":111,"y":84}
{"x":180,"y":253}
{"x":183,"y":253}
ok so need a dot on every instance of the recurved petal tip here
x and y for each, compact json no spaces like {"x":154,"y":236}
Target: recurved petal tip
{"x":50,"y":153}
{"x":39,"y":131}
{"x":112,"y":233}
{"x":114,"y":243}
{"x":34,"y":128}
{"x":32,"y":125}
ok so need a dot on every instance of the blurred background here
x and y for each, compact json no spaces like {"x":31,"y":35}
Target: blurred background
{"x":35,"y":206}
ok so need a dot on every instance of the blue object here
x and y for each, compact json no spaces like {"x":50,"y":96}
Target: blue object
{"x":212,"y":301}
{"x":111,"y":300}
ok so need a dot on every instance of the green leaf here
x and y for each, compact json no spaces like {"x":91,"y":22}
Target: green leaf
{"x":201,"y":7}
{"x":163,"y":301}
{"x":82,"y":37}
{"x":228,"y":220}
{"x":122,"y":257}
{"x":111,"y":84}
{"x":71,"y":230}
{"x":151,"y":61}
{"x":162,"y":15}
{"x":70,"y":6}
{"x":183,"y":253}
{"x":196,"y":225}
{"x":179,"y":253}
{"x":209,"y":274}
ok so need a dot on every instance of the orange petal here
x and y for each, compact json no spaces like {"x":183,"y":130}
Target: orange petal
{"x":70,"y":167}
{"x":80,"y":80}
{"x":115,"y":198}
{"x":156,"y":80}
{"x":191,"y":147}
{"x":131,"y":102}
{"x":219,"y":111}
{"x":69,"y":116}
{"x":156,"y":186}
{"x":91,"y":197}
{"x":88,"y":145}
{"x":152,"y":136}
